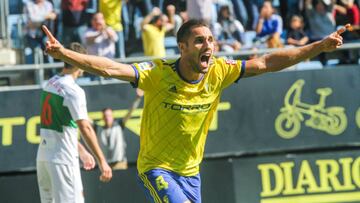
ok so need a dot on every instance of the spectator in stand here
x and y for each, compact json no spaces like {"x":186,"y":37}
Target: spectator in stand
{"x":228,"y":31}
{"x":252,"y":8}
{"x":143,"y":6}
{"x":173,"y":19}
{"x":200,"y":9}
{"x":137,"y":10}
{"x":345,"y":11}
{"x":320,"y":19}
{"x":37,"y":12}
{"x":57,"y":22}
{"x":74,"y":19}
{"x":270,"y":25}
{"x":180,"y":5}
{"x":240,"y":11}
{"x":174,"y":22}
{"x":154,"y":27}
{"x":158,"y":3}
{"x":289,"y":8}
{"x":297,"y":35}
{"x":100,"y":39}
{"x":111,"y":10}
{"x":111,"y":136}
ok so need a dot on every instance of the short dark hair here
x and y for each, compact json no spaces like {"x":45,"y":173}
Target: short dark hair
{"x":185,"y":29}
{"x":155,"y":18}
{"x":77,"y":47}
{"x":105,"y":109}
{"x":270,"y":1}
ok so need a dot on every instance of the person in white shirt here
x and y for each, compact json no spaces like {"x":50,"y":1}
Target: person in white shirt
{"x":63,"y":112}
{"x":100,"y":39}
{"x":111,"y":135}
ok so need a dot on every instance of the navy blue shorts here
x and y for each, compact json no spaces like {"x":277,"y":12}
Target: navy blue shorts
{"x":165,"y":186}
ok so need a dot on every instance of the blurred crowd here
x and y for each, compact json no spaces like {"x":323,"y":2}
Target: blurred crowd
{"x":123,"y":28}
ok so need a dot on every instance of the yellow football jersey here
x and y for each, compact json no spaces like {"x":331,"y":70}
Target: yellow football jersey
{"x":177,"y":113}
{"x":153,"y":40}
{"x":111,"y":9}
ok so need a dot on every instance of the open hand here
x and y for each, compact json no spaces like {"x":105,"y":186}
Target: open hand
{"x":335,"y":40}
{"x":52,"y":46}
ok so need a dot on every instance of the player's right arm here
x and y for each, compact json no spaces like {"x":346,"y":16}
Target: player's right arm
{"x":94,"y":64}
{"x":89,"y":136}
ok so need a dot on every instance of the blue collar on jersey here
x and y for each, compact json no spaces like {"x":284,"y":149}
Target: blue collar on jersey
{"x":177,"y":67}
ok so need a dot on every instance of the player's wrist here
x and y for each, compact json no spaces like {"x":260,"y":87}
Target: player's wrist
{"x":102,"y":161}
{"x":63,"y":53}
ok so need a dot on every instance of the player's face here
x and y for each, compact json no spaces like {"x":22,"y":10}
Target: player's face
{"x":199,"y":49}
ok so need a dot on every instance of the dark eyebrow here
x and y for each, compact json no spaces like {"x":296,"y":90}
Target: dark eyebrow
{"x":199,"y":37}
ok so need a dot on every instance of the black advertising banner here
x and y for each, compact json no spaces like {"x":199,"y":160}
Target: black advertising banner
{"x":289,"y":111}
{"x":321,"y":177}
{"x":19,"y":122}
{"x":306,"y":178}
{"x":270,"y":113}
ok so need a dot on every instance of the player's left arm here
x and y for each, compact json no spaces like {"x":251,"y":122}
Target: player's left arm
{"x":279,"y":60}
{"x":90,"y":139}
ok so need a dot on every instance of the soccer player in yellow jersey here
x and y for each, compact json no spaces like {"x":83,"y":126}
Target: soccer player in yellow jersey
{"x":180,"y":99}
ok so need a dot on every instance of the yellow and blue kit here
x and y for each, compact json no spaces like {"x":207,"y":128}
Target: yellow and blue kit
{"x":177,"y":113}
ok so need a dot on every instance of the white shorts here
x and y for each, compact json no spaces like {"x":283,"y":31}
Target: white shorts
{"x":59,"y":183}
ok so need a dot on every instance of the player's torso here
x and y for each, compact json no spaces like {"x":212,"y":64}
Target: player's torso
{"x":176,"y":117}
{"x":58,"y":130}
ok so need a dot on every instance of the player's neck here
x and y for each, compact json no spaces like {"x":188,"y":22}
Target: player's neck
{"x":186,"y":71}
{"x":72,"y":72}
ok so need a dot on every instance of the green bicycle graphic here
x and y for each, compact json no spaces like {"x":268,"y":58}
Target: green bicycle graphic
{"x":331,"y":120}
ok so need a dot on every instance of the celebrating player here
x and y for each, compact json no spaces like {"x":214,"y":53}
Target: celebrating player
{"x":63,"y":111}
{"x":181,"y":97}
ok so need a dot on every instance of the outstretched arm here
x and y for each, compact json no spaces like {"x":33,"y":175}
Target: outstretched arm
{"x":94,"y":64}
{"x":284,"y":58}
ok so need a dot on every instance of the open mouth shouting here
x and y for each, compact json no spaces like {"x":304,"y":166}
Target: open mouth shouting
{"x":205,"y":60}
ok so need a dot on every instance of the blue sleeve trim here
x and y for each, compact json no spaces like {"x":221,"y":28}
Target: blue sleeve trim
{"x":136,"y":83}
{"x":243,"y":64}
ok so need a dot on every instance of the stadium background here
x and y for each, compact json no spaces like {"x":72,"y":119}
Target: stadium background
{"x":246,"y":159}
